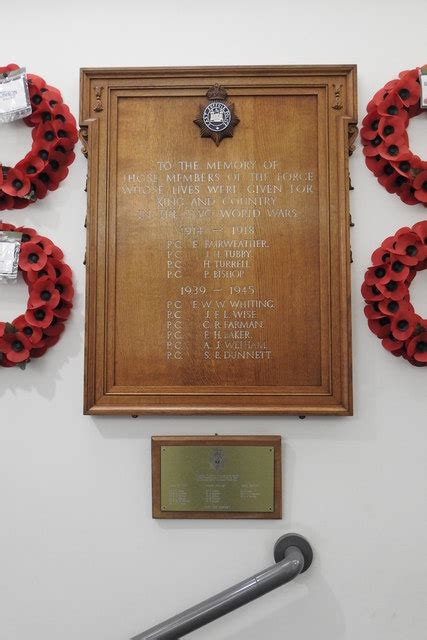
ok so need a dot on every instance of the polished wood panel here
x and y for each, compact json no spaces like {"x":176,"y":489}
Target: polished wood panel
{"x":218,"y":277}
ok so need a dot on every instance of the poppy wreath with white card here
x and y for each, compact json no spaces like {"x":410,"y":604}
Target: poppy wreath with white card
{"x":54,"y":136}
{"x":385,"y":139}
{"x":49,"y":304}
{"x":391,"y":316}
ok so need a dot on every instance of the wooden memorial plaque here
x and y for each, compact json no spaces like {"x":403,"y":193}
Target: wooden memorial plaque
{"x":217,"y":477}
{"x":218,"y":255}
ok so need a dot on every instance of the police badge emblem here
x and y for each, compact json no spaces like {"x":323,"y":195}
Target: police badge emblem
{"x":217,"y":460}
{"x":217,"y":119}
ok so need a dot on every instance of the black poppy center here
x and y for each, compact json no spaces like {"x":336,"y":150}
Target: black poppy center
{"x":404,"y":166}
{"x":31,"y":169}
{"x":391,"y":286}
{"x":376,"y":141}
{"x":45,"y":295}
{"x":421,"y":346}
{"x":404,"y":94}
{"x":397,"y":266}
{"x":388,"y":130}
{"x":392,"y":110}
{"x":39,"y":314}
{"x":44,"y":177}
{"x":388,"y":170}
{"x":411,"y":250}
{"x":400,"y":180}
{"x":393,"y":305}
{"x":17,"y":346}
{"x":402,"y":325}
{"x":380,"y":272}
{"x":384,"y":321}
{"x":54,"y":164}
{"x":393,"y":150}
{"x":17,"y":184}
{"x":37,"y":99}
{"x":60,"y":288}
{"x":33,"y":258}
{"x":374,"y":125}
{"x":46,"y":116}
{"x":375,"y":291}
{"x":28,"y":331}
{"x":43,"y":154}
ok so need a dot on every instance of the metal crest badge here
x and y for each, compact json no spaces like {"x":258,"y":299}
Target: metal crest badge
{"x":217,"y":460}
{"x":217,"y":119}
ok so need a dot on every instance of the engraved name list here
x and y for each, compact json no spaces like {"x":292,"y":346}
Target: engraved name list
{"x":226,"y":226}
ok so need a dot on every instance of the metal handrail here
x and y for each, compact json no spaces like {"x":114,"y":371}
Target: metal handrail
{"x":293,"y":555}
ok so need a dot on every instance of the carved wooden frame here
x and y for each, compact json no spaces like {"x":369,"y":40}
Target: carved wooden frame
{"x":337,"y":85}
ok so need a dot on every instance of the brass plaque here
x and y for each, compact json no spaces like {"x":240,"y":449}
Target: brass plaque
{"x":216,"y":477}
{"x":218,"y":239}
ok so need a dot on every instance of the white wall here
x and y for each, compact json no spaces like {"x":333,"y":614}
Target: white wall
{"x":80,"y":556}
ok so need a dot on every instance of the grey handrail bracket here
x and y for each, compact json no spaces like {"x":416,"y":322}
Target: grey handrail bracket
{"x":293,"y":540}
{"x":293,"y":555}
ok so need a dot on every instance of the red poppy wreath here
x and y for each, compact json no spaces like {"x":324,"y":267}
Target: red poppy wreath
{"x":54,"y":136}
{"x":386,"y":291}
{"x":385,"y":139}
{"x":51,"y":293}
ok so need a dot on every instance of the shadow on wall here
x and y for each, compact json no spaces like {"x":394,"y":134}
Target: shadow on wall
{"x":336,"y":429}
{"x":308,"y":607}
